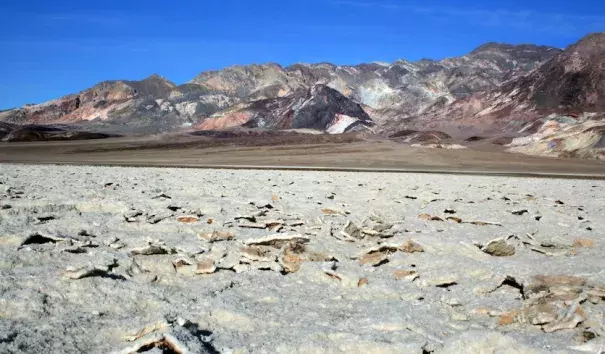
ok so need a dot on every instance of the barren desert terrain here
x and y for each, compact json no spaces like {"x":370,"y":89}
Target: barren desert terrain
{"x":104,"y":259}
{"x":347,"y":152}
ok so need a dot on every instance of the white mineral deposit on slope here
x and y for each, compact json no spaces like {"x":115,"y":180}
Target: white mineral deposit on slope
{"x":340,"y":124}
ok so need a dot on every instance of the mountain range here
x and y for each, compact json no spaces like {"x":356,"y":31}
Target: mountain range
{"x":497,"y":88}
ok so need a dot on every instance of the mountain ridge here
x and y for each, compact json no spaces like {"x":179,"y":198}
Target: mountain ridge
{"x":392,"y":95}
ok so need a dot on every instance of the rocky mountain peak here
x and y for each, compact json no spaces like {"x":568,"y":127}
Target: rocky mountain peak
{"x":590,"y":45}
{"x":316,"y":95}
{"x":524,"y":52}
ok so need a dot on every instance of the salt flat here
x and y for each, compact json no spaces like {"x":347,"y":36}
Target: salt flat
{"x":116,"y":259}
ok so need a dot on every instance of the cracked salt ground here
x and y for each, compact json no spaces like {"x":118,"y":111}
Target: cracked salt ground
{"x":125,"y":260}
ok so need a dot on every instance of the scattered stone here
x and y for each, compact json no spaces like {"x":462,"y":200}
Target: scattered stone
{"x":132,"y":216}
{"x":484,"y":223}
{"x":175,"y":336}
{"x":290,"y":262}
{"x":541,"y":285}
{"x":259,"y":253}
{"x":274,"y":225}
{"x":411,"y":247}
{"x":152,"y":249}
{"x":278,"y":240}
{"x":162,"y":196}
{"x":45,"y":218}
{"x":230,"y":261}
{"x":520,"y":212}
{"x":499,"y":248}
{"x":374,"y":259}
{"x":443,"y":281}
{"x":181,"y":262}
{"x":265,"y":206}
{"x":332,"y":274}
{"x":585,"y":336}
{"x":205,"y":266}
{"x":507,"y":318}
{"x":332,"y":212}
{"x":154,"y":219}
{"x":429,"y":217}
{"x":558,"y":202}
{"x":217,"y":236}
{"x":583,"y":243}
{"x":210,"y":221}
{"x":370,"y":232}
{"x":351,"y":230}
{"x":454,"y":219}
{"x":362,"y":282}
{"x":449,"y":211}
{"x":91,"y":270}
{"x":85,"y":233}
{"x":250,"y":218}
{"x":188,"y":219}
{"x":252,"y":225}
{"x":407,"y":275}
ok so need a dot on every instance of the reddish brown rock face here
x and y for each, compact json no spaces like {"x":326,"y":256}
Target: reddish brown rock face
{"x":227,"y":121}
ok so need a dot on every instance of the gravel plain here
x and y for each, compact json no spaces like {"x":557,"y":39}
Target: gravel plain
{"x":168,"y":260}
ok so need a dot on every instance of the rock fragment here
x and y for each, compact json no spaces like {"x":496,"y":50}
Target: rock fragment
{"x":351,"y":230}
{"x":278,"y":240}
{"x":187,"y":219}
{"x":155,"y":248}
{"x":156,"y":218}
{"x":484,"y":223}
{"x":205,"y":266}
{"x":407,"y":275}
{"x":454,"y":219}
{"x":374,"y":259}
{"x":92,"y":270}
{"x":172,"y":336}
{"x":252,"y":225}
{"x":217,"y":236}
{"x":429,"y":217}
{"x":411,"y":246}
{"x":250,"y":218}
{"x":499,"y":248}
{"x":583,"y":243}
{"x":332,"y":212}
{"x":133,"y":215}
{"x":441,"y":281}
{"x":259,"y":253}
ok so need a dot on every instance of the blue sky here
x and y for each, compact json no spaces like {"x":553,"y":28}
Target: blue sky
{"x":52,"y":48}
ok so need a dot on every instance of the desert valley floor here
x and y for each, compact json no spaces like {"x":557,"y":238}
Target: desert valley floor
{"x":298,"y":151}
{"x":168,"y":260}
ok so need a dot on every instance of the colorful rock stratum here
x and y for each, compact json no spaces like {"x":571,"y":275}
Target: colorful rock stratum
{"x":495,"y":89}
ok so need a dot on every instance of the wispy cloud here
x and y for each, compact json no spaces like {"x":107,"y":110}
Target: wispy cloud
{"x":559,"y":23}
